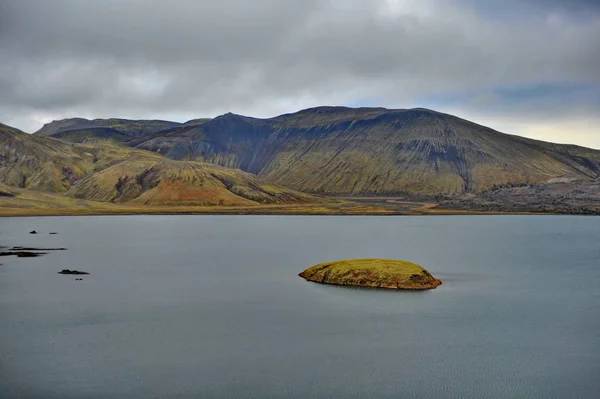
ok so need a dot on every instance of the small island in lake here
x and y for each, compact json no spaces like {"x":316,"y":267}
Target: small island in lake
{"x":377,"y":273}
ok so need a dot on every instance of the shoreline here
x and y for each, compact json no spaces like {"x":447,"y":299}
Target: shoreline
{"x":32,"y":203}
{"x":266,"y":212}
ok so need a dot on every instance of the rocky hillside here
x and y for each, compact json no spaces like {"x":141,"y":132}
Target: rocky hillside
{"x":374,"y":151}
{"x":564,"y":197}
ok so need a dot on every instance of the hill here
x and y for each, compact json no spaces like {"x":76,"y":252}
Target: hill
{"x":374,"y":151}
{"x":105,"y":171}
{"x":39,"y":163}
{"x":162,"y":182}
{"x":51,"y":165}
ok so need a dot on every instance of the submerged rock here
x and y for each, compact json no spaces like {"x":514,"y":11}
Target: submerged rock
{"x":36,"y":249}
{"x":22,"y":254}
{"x":67,"y":271}
{"x":377,"y":273}
{"x":28,"y":252}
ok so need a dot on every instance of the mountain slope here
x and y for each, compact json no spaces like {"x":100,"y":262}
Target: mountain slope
{"x":374,"y":151}
{"x":39,"y":163}
{"x":48,"y":164}
{"x":164,"y":182}
{"x":131,"y":128}
{"x":91,"y":134}
{"x":105,"y":171}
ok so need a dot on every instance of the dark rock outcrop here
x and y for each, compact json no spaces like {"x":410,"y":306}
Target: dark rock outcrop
{"x":36,"y":249}
{"x":76,"y":272}
{"x":23,"y":254}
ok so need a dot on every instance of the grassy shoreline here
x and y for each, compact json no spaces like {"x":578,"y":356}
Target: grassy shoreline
{"x":19,"y":202}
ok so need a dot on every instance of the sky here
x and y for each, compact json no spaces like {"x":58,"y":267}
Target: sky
{"x":526,"y":67}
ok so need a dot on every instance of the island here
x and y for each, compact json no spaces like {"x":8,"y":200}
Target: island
{"x":376,"y":273}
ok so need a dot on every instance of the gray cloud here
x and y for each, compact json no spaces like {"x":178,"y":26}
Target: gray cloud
{"x":516,"y":8}
{"x":186,"y":59}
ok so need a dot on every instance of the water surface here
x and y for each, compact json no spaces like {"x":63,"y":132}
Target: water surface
{"x":211,"y":306}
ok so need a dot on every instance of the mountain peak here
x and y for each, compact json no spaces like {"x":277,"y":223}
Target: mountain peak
{"x":232,"y":116}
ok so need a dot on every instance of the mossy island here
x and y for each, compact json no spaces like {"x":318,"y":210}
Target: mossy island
{"x":375,"y":273}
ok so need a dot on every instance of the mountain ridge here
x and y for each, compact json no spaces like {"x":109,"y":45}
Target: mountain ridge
{"x":333,"y":150}
{"x":128,"y":127}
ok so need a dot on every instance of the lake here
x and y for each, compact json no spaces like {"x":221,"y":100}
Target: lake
{"x":211,"y":307}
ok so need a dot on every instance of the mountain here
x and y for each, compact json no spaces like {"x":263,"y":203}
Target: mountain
{"x":131,"y":128}
{"x":335,"y":151}
{"x":374,"y":151}
{"x":105,"y":171}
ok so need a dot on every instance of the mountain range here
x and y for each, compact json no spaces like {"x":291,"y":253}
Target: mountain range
{"x":298,"y":158}
{"x":362,"y":151}
{"x":103,"y":171}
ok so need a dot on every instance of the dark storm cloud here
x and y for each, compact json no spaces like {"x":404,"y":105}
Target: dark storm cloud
{"x":186,"y":59}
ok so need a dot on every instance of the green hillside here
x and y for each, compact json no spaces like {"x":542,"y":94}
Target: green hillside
{"x":163,"y":182}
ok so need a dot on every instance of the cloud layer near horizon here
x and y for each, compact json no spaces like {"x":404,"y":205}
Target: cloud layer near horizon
{"x":524,"y":67}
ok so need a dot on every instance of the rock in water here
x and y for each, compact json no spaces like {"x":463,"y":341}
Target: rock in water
{"x":36,"y":249}
{"x":67,"y":271}
{"x":377,"y":273}
{"x":22,"y":254}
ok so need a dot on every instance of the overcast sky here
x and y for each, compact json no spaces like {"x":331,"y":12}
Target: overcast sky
{"x":528,"y":67}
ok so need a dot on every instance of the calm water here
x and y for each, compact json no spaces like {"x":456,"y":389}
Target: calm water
{"x":210,"y":306}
